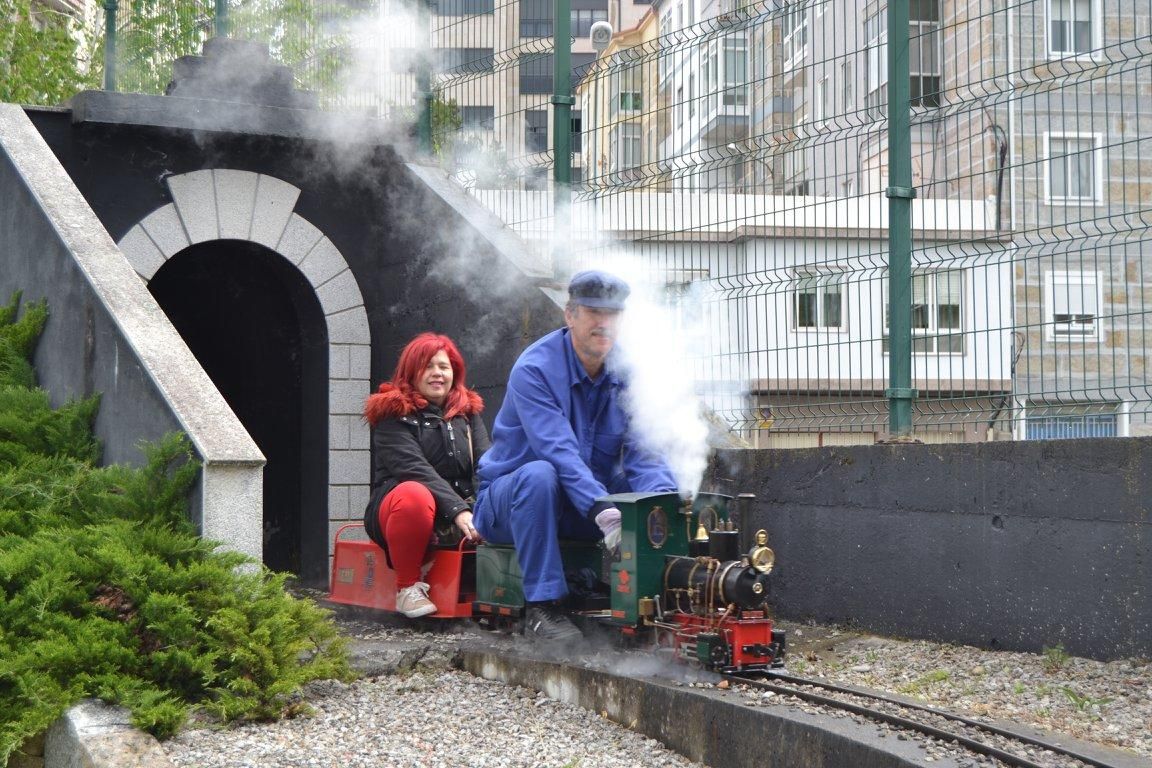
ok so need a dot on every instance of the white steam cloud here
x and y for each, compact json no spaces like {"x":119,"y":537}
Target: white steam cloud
{"x":654,"y":352}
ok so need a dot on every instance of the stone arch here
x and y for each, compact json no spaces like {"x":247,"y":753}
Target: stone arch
{"x":224,"y":204}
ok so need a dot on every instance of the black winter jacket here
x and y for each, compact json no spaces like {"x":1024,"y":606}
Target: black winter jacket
{"x":439,"y":454}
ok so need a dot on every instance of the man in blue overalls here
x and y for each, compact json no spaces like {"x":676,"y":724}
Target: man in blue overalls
{"x":560,"y":442}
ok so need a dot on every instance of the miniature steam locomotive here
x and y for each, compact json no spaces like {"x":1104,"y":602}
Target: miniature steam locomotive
{"x":682,"y":582}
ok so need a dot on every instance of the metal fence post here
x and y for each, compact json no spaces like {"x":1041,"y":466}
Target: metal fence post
{"x":110,"y":8}
{"x":222,"y":27}
{"x":424,"y":93}
{"x":900,"y":192}
{"x":561,"y":135}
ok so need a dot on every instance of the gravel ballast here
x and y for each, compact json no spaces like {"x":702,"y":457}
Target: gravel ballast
{"x":432,"y":715}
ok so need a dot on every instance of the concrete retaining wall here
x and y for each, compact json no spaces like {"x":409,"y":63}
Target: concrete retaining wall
{"x":1019,"y":546}
{"x":106,"y":334}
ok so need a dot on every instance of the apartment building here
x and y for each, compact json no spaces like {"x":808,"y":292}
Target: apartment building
{"x":625,"y":119}
{"x":495,"y":63}
{"x":1038,"y":111}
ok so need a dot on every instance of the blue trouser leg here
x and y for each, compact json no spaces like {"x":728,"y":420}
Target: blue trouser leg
{"x":527,"y":508}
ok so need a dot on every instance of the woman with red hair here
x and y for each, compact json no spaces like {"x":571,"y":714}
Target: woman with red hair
{"x":427,"y":436}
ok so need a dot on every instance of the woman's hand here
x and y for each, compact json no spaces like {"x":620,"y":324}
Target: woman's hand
{"x":464,"y":523}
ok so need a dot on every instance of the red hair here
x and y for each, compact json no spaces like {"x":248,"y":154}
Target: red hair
{"x":400,"y":396}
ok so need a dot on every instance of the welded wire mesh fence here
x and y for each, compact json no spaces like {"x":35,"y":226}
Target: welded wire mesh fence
{"x":739,"y":154}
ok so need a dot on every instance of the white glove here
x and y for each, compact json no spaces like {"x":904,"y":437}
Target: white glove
{"x":609,"y":523}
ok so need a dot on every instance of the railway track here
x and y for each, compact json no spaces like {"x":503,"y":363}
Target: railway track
{"x":1008,"y":747}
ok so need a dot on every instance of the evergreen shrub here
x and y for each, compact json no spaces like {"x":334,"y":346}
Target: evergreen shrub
{"x":106,"y":590}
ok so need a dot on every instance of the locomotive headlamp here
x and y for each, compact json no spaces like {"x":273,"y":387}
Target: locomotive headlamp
{"x":762,"y":558}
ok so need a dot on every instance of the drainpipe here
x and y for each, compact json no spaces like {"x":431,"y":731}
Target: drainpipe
{"x":900,"y":192}
{"x":110,"y":8}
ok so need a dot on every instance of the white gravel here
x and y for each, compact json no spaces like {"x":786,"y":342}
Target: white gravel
{"x":436,"y":716}
{"x":430,"y":719}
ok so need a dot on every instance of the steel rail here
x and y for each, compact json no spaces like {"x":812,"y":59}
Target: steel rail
{"x":972,"y":744}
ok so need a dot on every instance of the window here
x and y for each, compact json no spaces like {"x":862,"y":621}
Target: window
{"x":577,"y":133}
{"x":1072,"y":30}
{"x":692,"y":95}
{"x":1064,"y":422}
{"x":462,"y":60}
{"x":626,"y":90}
{"x":462,"y":7}
{"x":710,"y":75}
{"x":679,"y":106}
{"x":923,"y":56}
{"x":735,"y":71}
{"x":876,"y":62}
{"x":819,"y":302}
{"x":795,"y":40}
{"x":1072,"y":301}
{"x":476,"y":118}
{"x":937,"y":313}
{"x":536,"y":130}
{"x":582,"y":21}
{"x":536,"y":73}
{"x":822,"y":109}
{"x":848,"y":84}
{"x":624,"y":144}
{"x":1073,"y":171}
{"x":536,"y":18}
{"x":924,"y":52}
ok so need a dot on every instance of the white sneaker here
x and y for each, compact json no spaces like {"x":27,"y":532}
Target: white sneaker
{"x":413,"y":601}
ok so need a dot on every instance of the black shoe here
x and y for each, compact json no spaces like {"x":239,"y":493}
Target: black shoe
{"x":547,"y":622}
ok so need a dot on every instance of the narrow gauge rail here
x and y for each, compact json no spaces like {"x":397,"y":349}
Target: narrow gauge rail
{"x":800,"y":687}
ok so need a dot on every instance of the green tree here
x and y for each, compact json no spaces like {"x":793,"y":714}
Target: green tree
{"x":42,"y":55}
{"x":446,"y":124}
{"x":304,"y":35}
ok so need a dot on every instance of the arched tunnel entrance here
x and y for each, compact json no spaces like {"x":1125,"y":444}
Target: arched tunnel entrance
{"x":255,"y":324}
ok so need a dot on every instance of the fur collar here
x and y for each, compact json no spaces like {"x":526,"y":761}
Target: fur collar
{"x":391,"y":402}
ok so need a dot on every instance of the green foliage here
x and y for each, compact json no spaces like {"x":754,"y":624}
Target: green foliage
{"x":446,"y":123}
{"x":17,"y":339}
{"x":40,"y":55}
{"x":106,"y":590}
{"x":299,"y":33}
{"x":1084,"y":703}
{"x":1055,"y":658}
{"x":922,"y":682}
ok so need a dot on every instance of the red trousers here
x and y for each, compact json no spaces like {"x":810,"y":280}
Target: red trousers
{"x":406,"y":517}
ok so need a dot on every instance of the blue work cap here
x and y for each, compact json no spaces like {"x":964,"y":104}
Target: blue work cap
{"x":593,"y":288}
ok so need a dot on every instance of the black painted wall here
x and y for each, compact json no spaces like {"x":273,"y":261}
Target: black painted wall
{"x":1020,"y":546}
{"x":402,"y":243}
